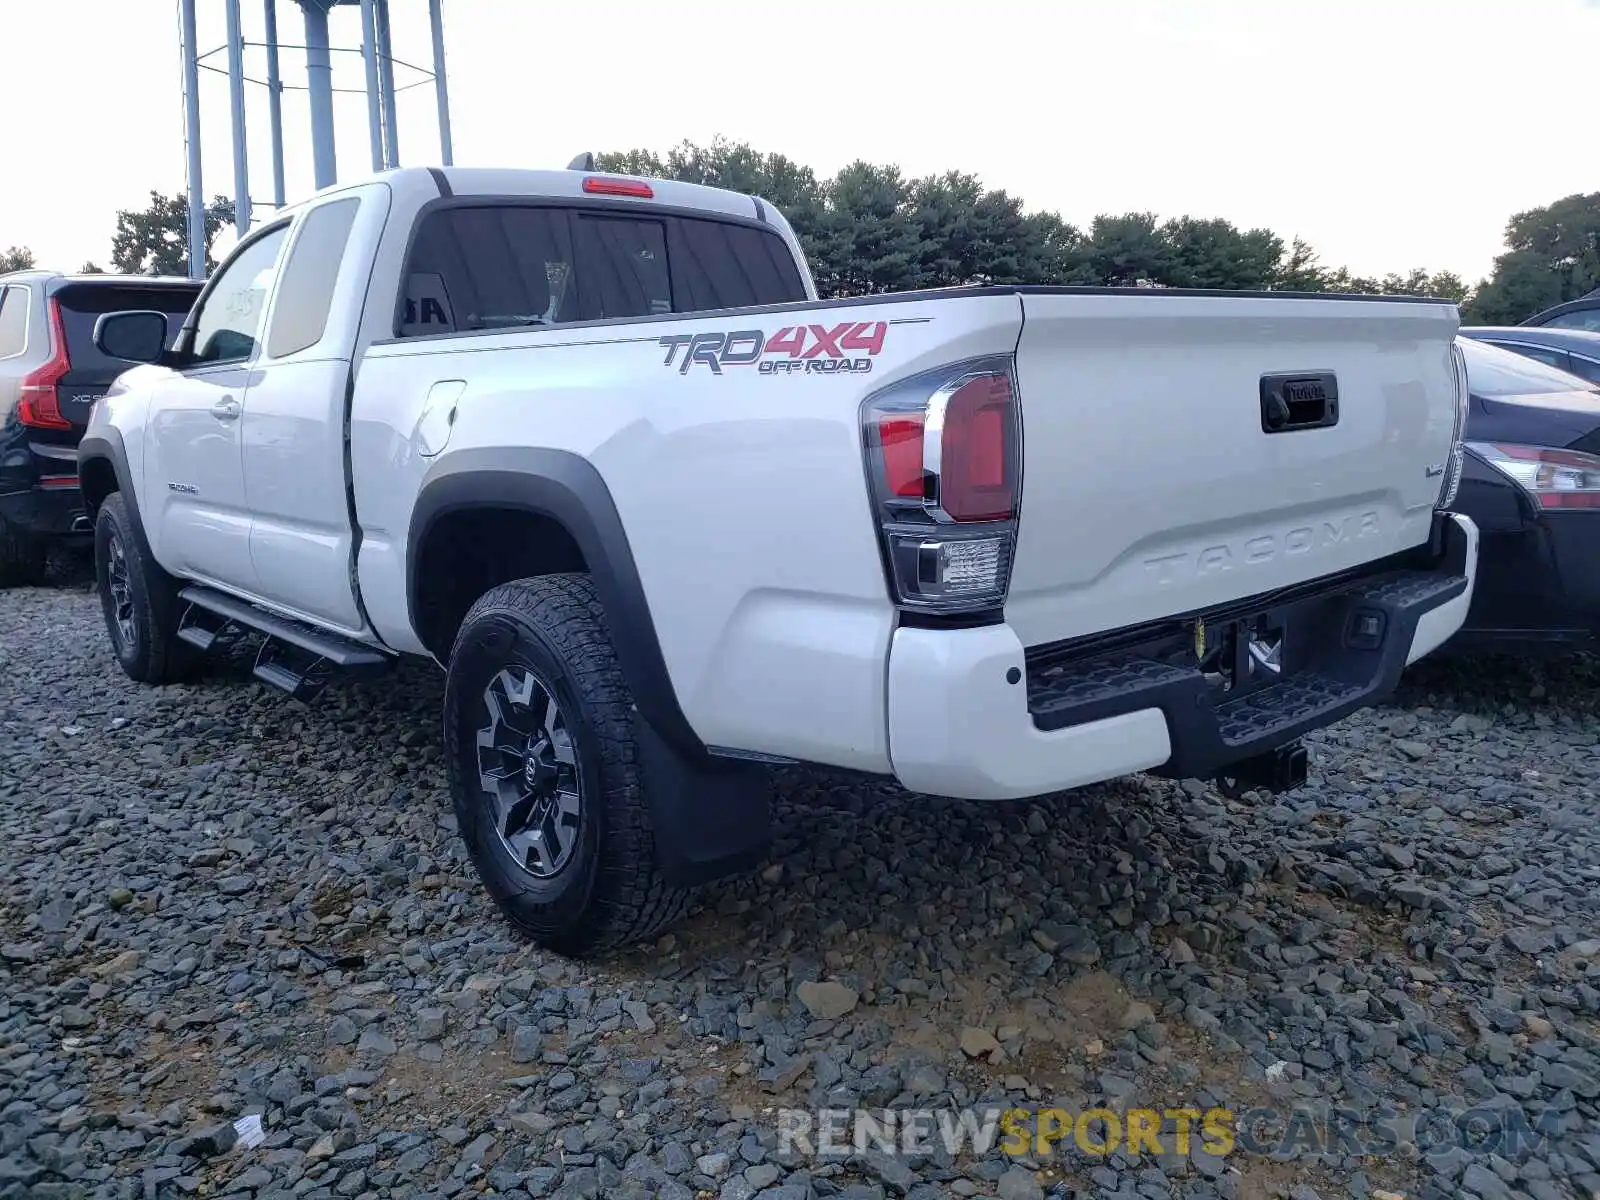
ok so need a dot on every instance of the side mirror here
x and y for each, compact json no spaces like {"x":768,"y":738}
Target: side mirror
{"x":133,"y":336}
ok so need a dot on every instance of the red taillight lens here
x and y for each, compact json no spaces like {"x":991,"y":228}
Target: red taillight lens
{"x":901,"y":439}
{"x":944,"y":456}
{"x":599,"y":185}
{"x":975,"y":483}
{"x":38,"y":406}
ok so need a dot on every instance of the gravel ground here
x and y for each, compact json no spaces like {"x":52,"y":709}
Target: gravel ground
{"x":215,"y":901}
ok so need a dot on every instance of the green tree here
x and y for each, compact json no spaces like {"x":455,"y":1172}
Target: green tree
{"x":968,"y":235}
{"x":1124,"y":250}
{"x":154,"y":240}
{"x":18,"y":258}
{"x":1299,"y":269}
{"x":90,"y":268}
{"x":1446,"y":285}
{"x":1552,"y":255}
{"x":866,"y":242}
{"x":1214,"y":253}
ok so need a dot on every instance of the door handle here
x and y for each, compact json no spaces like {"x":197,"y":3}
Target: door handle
{"x":226,"y":409}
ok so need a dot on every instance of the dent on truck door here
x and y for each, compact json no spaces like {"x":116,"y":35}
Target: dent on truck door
{"x":194,"y":471}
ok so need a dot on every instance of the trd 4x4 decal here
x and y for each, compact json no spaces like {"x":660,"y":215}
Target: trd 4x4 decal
{"x":804,"y":349}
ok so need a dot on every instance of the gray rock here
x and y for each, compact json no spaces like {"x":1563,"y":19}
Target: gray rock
{"x":431,"y":1024}
{"x":1018,"y":1184}
{"x":526,"y":1042}
{"x":375,"y":1043}
{"x":826,"y":999}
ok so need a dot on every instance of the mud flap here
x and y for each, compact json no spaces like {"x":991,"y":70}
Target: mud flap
{"x":712,"y":817}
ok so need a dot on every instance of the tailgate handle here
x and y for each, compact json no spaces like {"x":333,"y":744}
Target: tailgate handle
{"x":1303,"y":400}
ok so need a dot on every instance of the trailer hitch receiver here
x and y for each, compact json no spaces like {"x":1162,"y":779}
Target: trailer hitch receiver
{"x":1279,"y":770}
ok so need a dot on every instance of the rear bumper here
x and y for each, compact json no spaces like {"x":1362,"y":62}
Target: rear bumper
{"x":45,"y":511}
{"x":974,"y":714}
{"x":1538,"y":585}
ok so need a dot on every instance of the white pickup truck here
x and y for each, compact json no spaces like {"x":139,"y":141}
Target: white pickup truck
{"x":593,"y":445}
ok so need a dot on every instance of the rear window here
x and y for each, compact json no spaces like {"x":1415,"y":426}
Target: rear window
{"x":1582,"y":318}
{"x":82,"y":305}
{"x":622,"y":268}
{"x":1493,"y":372}
{"x":718,"y":265}
{"x":496,"y":266}
{"x":13,"y":321}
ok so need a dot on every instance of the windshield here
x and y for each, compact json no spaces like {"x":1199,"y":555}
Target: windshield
{"x":1493,"y":372}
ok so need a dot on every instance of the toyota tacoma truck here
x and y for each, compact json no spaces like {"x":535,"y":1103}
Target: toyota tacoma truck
{"x":665,"y":518}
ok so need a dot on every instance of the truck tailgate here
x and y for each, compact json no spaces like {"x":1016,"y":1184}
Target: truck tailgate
{"x":1151,"y":486}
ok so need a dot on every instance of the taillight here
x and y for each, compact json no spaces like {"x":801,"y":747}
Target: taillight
{"x":1560,"y":479}
{"x":600,"y":185}
{"x":1453,"y":467}
{"x":38,"y":406}
{"x":944,"y":455}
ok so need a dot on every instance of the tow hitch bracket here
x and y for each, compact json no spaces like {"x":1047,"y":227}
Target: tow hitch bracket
{"x":1279,"y":770}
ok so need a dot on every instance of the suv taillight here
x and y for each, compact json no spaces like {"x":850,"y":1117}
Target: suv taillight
{"x":944,"y":458}
{"x":38,"y":406}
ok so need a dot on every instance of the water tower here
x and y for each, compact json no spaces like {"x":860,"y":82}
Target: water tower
{"x":377,"y":54}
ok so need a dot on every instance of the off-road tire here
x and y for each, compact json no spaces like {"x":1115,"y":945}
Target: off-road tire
{"x":609,"y":894}
{"x":151,"y":653}
{"x":23,"y":557}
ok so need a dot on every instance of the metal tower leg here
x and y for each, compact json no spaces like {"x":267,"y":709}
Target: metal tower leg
{"x":275,"y":102}
{"x":241,"y":159}
{"x":319,"y":78}
{"x":391,"y":122}
{"x":369,"y":57}
{"x":191,"y":135}
{"x":441,"y":91}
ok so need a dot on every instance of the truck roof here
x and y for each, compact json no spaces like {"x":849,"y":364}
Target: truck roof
{"x":423,"y":183}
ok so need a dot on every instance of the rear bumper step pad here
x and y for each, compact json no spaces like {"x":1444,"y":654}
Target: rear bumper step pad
{"x":1336,"y":648}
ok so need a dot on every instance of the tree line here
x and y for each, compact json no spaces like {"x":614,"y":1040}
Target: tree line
{"x":869,"y":229}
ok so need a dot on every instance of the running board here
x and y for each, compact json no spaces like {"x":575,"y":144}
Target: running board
{"x":294,"y":657}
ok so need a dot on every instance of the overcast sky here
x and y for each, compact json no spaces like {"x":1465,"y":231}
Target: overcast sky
{"x":1388,"y":133}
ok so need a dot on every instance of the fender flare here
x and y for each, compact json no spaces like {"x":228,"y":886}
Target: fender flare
{"x":566,"y":488}
{"x":107,"y":446}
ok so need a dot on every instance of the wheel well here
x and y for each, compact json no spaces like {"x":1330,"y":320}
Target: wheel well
{"x":468,"y":551}
{"x":97,"y":479}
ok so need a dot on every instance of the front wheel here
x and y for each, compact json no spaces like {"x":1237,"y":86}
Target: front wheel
{"x":139,"y":600}
{"x":543,"y":769}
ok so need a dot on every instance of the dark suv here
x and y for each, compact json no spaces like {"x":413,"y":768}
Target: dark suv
{"x":50,"y":376}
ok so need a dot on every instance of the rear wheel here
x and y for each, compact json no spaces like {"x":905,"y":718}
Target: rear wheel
{"x":139,"y":600}
{"x":22,"y":557}
{"x":544,"y":771}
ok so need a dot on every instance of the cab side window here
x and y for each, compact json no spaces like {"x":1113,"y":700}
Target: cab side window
{"x":305,"y":297}
{"x":229,"y":323}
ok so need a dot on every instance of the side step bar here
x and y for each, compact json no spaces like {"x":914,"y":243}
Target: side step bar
{"x":294,"y":657}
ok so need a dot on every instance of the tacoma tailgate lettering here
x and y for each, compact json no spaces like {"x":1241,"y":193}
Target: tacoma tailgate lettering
{"x":1263,"y":548}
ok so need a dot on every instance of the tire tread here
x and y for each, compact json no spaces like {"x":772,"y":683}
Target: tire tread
{"x":631,"y":901}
